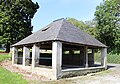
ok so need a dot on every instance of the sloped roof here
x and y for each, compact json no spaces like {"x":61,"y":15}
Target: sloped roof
{"x":61,"y":30}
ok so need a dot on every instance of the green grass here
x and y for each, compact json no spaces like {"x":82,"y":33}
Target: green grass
{"x":111,"y":58}
{"x":4,"y":57}
{"x":2,"y":50}
{"x":7,"y":77}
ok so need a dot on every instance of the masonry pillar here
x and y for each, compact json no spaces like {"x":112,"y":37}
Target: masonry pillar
{"x":104,"y":57}
{"x":86,"y":56}
{"x":35,"y":56}
{"x":92,"y":57}
{"x":14,"y":55}
{"x":56,"y":59}
{"x":71,"y":57}
{"x":82,"y":56}
{"x":26,"y":56}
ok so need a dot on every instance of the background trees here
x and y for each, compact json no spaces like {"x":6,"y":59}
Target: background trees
{"x":107,"y":16}
{"x":15,"y":20}
{"x":106,"y":25}
{"x":87,"y":26}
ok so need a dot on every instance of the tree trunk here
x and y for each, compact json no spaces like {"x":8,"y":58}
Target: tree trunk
{"x":7,"y":48}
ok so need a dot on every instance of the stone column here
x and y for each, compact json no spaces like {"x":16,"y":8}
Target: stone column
{"x":71,"y":57}
{"x":92,"y":57}
{"x":86,"y":56}
{"x":26,"y":56}
{"x":104,"y":57}
{"x":14,"y":55}
{"x":35,"y":56}
{"x":82,"y":56}
{"x":56,"y":59}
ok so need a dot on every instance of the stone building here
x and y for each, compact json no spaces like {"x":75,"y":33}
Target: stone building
{"x":69,"y":51}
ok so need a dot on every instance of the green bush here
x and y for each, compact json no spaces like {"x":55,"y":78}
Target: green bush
{"x":111,"y":58}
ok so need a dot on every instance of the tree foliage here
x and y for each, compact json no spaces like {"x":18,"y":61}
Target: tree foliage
{"x":15,"y":20}
{"x":107,"y":16}
{"x":87,"y":26}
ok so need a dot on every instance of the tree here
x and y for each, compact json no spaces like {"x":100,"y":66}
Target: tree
{"x":107,"y":16}
{"x":91,"y":28}
{"x":78,"y":23}
{"x":87,"y":26}
{"x":15,"y":20}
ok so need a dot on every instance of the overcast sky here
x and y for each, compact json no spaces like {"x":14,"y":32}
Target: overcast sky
{"x":51,"y":10}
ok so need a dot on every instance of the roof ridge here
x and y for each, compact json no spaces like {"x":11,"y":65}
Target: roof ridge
{"x":59,"y":29}
{"x":58,"y":19}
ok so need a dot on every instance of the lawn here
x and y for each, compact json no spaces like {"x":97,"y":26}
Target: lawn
{"x":2,"y":50}
{"x":7,"y":77}
{"x":4,"y":56}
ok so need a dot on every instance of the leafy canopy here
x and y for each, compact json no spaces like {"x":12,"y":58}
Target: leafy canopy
{"x":107,"y":16}
{"x":87,"y":26}
{"x":15,"y":20}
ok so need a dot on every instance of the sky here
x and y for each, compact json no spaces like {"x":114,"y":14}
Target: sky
{"x":51,"y":10}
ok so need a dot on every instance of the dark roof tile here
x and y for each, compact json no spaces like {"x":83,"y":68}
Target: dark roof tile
{"x":61,"y":30}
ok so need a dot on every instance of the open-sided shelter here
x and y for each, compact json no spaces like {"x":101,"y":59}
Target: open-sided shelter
{"x":68,"y":48}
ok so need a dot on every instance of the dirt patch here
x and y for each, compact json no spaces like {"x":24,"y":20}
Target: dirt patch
{"x":27,"y":74}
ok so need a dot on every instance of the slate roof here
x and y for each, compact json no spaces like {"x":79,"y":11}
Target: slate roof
{"x":61,"y":30}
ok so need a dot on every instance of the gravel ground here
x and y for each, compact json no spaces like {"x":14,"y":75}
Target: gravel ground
{"x":110,"y":76}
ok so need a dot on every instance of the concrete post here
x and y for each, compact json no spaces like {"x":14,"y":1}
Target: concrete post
{"x":93,"y":57}
{"x":56,"y":59}
{"x":26,"y":56}
{"x":82,"y":56}
{"x":86,"y":56}
{"x":35,"y":56}
{"x":104,"y":57}
{"x":71,"y":56}
{"x":14,"y":55}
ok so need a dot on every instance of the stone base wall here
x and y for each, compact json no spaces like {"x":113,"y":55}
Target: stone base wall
{"x":73,"y":73}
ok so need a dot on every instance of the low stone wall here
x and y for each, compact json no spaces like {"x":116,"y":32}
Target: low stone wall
{"x":80,"y":72}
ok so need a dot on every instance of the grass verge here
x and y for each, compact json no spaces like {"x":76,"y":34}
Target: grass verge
{"x":2,"y":50}
{"x":7,"y":77}
{"x":4,"y":57}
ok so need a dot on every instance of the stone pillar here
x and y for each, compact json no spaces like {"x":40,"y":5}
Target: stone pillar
{"x":35,"y":56}
{"x":104,"y":57}
{"x":14,"y":55}
{"x":86,"y":56}
{"x":56,"y":59}
{"x":82,"y":56}
{"x":92,"y":57}
{"x":71,"y":57}
{"x":26,"y":56}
